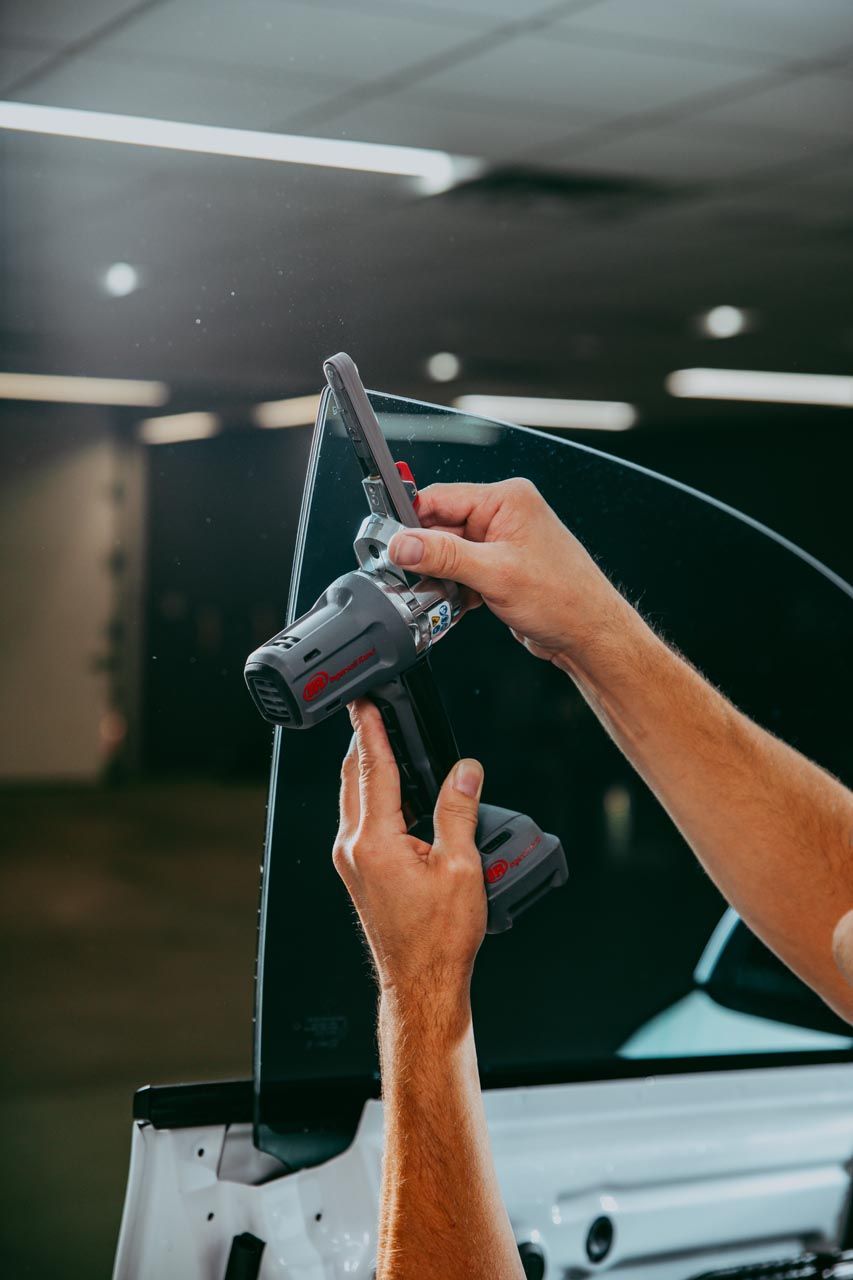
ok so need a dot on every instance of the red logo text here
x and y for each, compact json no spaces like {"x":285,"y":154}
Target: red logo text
{"x":498,"y":869}
{"x":320,"y":679}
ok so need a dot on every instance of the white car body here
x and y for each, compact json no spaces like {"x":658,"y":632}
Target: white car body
{"x":707,"y":1169}
{"x":694,"y":1172}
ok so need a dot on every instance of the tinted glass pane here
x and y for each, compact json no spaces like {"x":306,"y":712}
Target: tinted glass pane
{"x":594,"y":962}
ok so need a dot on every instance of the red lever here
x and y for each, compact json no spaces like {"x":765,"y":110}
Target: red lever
{"x":405,"y":473}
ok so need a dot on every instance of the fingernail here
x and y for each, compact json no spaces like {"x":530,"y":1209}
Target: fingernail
{"x":406,"y":549}
{"x":468,"y":777}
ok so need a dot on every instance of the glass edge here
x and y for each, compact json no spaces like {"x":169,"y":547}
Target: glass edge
{"x":305,"y":509}
{"x":799,"y":552}
{"x":295,"y":577}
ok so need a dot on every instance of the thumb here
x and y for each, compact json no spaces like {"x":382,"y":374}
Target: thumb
{"x":437,"y":554}
{"x":458,"y":804}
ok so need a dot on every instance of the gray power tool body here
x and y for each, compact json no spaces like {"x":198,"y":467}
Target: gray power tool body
{"x":369,"y":635}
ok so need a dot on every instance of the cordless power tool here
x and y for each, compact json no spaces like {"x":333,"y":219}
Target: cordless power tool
{"x":369,"y":635}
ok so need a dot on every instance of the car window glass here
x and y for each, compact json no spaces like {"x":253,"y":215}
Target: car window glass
{"x":600,"y":959}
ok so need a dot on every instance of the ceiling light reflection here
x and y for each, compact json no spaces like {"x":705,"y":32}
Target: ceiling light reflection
{"x":297,"y":411}
{"x":174,"y":428}
{"x":444,"y":366}
{"x":723,"y":322}
{"x":835,"y":390}
{"x":74,"y":390}
{"x":532,"y":411}
{"x":121,"y":279}
{"x":435,"y":170}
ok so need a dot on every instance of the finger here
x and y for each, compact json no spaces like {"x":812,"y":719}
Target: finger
{"x":457,"y":529}
{"x":478,"y":565}
{"x":449,"y":504}
{"x":455,"y":819}
{"x":350,"y":803}
{"x":378,"y":775}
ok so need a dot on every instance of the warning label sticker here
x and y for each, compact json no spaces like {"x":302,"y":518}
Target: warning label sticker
{"x":439,"y":619}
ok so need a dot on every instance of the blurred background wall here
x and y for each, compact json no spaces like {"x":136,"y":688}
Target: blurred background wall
{"x":612,"y":191}
{"x":56,"y":526}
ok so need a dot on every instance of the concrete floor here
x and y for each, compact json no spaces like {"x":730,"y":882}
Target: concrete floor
{"x":127,"y":928}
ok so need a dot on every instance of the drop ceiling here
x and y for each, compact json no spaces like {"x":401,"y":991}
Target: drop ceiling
{"x":731,"y":120}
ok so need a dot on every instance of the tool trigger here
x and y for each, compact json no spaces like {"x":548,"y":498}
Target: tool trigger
{"x":405,"y":473}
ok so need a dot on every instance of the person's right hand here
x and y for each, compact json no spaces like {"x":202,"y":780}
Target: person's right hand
{"x":506,"y":545}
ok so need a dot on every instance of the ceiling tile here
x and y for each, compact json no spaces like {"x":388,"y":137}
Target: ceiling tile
{"x":778,"y":28}
{"x":19,"y":60}
{"x":272,"y":258}
{"x":601,"y":83}
{"x":464,"y":126}
{"x":470,"y":12}
{"x":810,"y":106}
{"x":684,"y":153}
{"x":58,"y":22}
{"x":237,"y":97}
{"x":354,"y":45}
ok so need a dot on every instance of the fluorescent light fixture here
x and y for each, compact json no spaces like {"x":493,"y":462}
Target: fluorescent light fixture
{"x":723,"y":322}
{"x":121,"y":279}
{"x":298,"y":411}
{"x":174,"y":428}
{"x":770,"y":388}
{"x":436,"y":170}
{"x":583,"y":415}
{"x":444,"y":366}
{"x":71,"y":390}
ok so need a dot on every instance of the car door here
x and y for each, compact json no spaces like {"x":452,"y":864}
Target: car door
{"x":639,"y":1165}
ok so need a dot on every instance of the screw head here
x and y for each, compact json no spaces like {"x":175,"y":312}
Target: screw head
{"x":599,"y":1239}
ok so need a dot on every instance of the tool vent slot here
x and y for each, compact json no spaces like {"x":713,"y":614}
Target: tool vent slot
{"x":274,"y":706}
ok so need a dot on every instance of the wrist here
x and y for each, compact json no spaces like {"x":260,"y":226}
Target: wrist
{"x":597,"y":654}
{"x":437,"y":1012}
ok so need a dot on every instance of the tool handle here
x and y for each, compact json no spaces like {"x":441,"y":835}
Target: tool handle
{"x":422,"y":739}
{"x":521,"y":863}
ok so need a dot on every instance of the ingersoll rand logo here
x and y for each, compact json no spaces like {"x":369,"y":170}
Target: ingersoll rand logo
{"x":321,"y":679}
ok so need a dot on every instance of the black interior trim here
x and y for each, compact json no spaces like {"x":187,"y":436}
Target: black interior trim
{"x":183,"y":1106}
{"x":326,"y":1103}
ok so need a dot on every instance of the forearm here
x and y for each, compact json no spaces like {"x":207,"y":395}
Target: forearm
{"x":441,"y":1211}
{"x":771,"y":828}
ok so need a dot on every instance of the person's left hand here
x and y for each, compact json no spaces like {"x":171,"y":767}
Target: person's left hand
{"x":422,"y":907}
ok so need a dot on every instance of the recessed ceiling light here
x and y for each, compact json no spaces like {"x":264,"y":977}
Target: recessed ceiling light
{"x":120,"y":279}
{"x":174,"y":428}
{"x":583,"y":415}
{"x":723,"y":322}
{"x":444,"y":366}
{"x":435,"y":170}
{"x":769,"y":387}
{"x":298,"y":411}
{"x":73,"y":390}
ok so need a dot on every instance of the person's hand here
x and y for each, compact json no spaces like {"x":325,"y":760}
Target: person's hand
{"x":422,"y":907}
{"x":505,"y":543}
